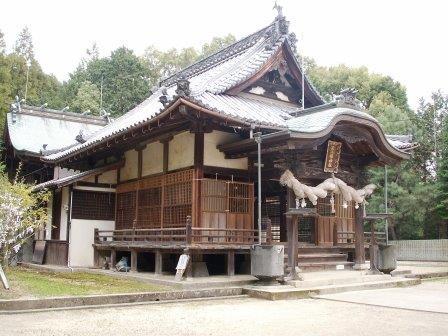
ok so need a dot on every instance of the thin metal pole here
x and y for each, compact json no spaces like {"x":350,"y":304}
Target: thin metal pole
{"x":385,"y":203}
{"x":303,"y":77}
{"x":101,"y":96}
{"x":258,"y":140}
{"x":28,"y":64}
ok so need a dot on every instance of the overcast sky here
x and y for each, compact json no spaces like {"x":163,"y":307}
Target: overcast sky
{"x":404,"y":39}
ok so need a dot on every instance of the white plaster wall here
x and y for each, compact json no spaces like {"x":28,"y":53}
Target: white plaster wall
{"x":152,"y":159}
{"x":109,"y":177}
{"x":130,"y":169}
{"x":181,"y":151}
{"x":213,"y":157}
{"x":64,"y":214}
{"x":49,"y":217}
{"x":81,"y":240}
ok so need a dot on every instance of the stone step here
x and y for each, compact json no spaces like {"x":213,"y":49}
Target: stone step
{"x":320,"y":257}
{"x":290,"y":292}
{"x":324,"y":265}
{"x":336,"y":278}
{"x":400,"y":273}
{"x":318,"y":249}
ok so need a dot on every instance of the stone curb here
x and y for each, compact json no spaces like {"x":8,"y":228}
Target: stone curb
{"x":428,"y":275}
{"x":114,"y":299}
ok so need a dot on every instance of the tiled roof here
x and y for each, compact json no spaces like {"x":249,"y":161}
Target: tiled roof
{"x":64,"y":181}
{"x":208,"y":79}
{"x":211,"y":78}
{"x":230,"y":52}
{"x":32,"y":128}
{"x":319,"y":120}
{"x":402,"y":142}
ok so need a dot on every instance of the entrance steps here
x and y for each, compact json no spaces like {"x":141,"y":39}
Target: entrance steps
{"x":319,"y":283}
{"x":317,"y":258}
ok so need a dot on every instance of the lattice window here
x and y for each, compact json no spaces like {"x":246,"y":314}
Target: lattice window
{"x":240,"y":197}
{"x":214,"y":195}
{"x":272,"y":209}
{"x":342,"y":212}
{"x":163,"y":201}
{"x":324,"y":207}
{"x":226,"y":196}
{"x":149,"y":208}
{"x":177,"y":200}
{"x":125,"y":210}
{"x":93,"y":205}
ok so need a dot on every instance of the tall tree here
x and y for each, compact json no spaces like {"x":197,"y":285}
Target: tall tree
{"x":122,"y":76}
{"x":331,"y":80}
{"x":216,"y":44}
{"x":2,"y":43}
{"x":24,"y":45}
{"x":87,"y":99}
{"x":442,"y":176}
{"x":161,"y":64}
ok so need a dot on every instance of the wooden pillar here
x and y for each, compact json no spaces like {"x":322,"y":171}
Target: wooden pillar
{"x":188,"y":231}
{"x":283,"y":229}
{"x":189,"y":269}
{"x":231,"y":263}
{"x":96,"y":258}
{"x":158,"y":262}
{"x":292,"y":225}
{"x":360,"y":257}
{"x":373,"y":249}
{"x":134,"y":260}
{"x":199,"y":167}
{"x":166,"y":150}
{"x":293,"y":245}
{"x":268,"y":232}
{"x":113,"y":258}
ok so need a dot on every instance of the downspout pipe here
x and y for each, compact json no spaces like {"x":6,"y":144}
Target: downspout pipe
{"x":257,"y":137}
{"x":69,"y":225}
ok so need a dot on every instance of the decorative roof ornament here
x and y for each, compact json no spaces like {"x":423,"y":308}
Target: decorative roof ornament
{"x":80,"y":137}
{"x":105,"y":115}
{"x":164,"y":97}
{"x":183,"y":87}
{"x":279,"y":28}
{"x":16,"y":108}
{"x":348,"y":98}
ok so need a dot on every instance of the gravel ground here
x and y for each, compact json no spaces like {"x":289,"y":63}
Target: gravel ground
{"x":430,"y":296}
{"x":244,"y":316}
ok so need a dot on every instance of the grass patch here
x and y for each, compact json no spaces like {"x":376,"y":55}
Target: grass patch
{"x":31,"y":283}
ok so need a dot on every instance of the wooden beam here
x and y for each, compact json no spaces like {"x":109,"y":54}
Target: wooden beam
{"x":231,"y":263}
{"x":199,"y":169}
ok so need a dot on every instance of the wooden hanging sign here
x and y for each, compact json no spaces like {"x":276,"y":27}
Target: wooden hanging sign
{"x":333,"y":156}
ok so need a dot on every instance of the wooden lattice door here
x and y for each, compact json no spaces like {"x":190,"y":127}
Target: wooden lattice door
{"x":226,"y":205}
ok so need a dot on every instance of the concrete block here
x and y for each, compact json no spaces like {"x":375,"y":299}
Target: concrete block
{"x":199,"y":269}
{"x":387,"y":258}
{"x":267,"y":261}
